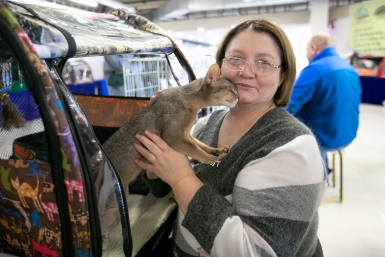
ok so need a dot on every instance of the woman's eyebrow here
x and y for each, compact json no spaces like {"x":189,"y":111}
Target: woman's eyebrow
{"x":236,"y":52}
{"x":258,"y":55}
{"x":264,"y":55}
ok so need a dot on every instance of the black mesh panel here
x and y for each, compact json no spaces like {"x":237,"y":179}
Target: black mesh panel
{"x":20,"y":115}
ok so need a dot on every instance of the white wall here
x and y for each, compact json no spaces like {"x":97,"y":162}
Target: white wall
{"x":340,"y":34}
{"x":299,"y":35}
{"x":96,"y":64}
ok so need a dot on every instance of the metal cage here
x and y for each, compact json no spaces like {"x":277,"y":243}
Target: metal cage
{"x":143,"y":76}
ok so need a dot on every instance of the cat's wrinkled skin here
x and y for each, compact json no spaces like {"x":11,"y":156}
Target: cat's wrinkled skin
{"x":171,"y":115}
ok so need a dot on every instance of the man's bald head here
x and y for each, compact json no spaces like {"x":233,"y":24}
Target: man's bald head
{"x":318,"y":43}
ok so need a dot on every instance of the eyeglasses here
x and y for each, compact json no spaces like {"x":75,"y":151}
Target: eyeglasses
{"x":258,"y":66}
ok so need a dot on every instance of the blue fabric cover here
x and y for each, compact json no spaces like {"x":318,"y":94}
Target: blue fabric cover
{"x":326,"y":97}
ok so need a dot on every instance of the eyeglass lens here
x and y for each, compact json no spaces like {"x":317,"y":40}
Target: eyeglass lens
{"x":261,"y":68}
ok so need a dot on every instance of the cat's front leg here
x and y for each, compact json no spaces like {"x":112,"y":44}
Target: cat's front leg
{"x":211,"y":150}
{"x":192,"y":149}
{"x":221,"y":151}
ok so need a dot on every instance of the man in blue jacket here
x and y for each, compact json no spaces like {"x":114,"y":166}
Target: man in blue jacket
{"x":327,"y":95}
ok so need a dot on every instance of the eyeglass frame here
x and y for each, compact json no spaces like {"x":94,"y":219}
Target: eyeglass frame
{"x":251,"y":64}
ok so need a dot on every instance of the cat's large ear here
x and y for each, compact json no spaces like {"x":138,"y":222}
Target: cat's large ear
{"x":213,"y":74}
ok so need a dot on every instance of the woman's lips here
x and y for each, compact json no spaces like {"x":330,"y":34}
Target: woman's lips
{"x":246,"y":86}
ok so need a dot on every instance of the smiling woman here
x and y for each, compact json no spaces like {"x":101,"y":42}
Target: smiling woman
{"x":271,"y":181}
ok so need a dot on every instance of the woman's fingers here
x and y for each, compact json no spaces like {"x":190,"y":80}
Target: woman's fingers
{"x":158,"y":141}
{"x":160,"y":158}
{"x":145,"y":153}
{"x":150,"y":145}
{"x":157,"y":93}
{"x":146,"y":166}
{"x":149,"y":157}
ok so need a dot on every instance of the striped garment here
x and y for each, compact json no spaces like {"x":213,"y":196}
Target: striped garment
{"x":261,"y":200}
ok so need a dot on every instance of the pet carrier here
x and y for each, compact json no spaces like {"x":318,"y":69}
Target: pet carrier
{"x":59,"y":193}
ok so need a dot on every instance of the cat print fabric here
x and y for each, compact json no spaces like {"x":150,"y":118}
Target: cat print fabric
{"x":29,"y":217}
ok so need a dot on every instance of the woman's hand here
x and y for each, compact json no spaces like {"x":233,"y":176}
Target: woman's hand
{"x":170,"y":166}
{"x":157,"y":93}
{"x":162,"y":161}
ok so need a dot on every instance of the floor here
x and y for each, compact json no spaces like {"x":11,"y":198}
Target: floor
{"x":356,"y":227}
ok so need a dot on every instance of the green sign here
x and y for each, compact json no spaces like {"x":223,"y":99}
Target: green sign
{"x":367,"y":27}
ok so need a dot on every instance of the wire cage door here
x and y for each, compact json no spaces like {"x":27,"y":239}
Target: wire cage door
{"x":143,"y":76}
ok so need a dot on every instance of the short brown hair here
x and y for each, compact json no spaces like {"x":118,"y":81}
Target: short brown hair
{"x":288,"y":66}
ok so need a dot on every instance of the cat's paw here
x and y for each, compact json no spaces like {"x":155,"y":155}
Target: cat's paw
{"x":216,"y":163}
{"x":222,"y":150}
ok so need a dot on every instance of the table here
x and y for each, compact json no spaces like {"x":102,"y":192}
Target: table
{"x":373,"y":90}
{"x":98,"y":87}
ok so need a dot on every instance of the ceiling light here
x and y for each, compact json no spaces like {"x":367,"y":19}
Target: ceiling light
{"x":169,"y":31}
{"x":200,"y":29}
{"x":86,"y":2}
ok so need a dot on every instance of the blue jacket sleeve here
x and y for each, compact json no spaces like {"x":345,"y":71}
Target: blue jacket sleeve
{"x":303,"y":89}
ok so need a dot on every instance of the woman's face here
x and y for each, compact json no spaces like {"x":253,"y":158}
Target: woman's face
{"x":253,"y":88}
